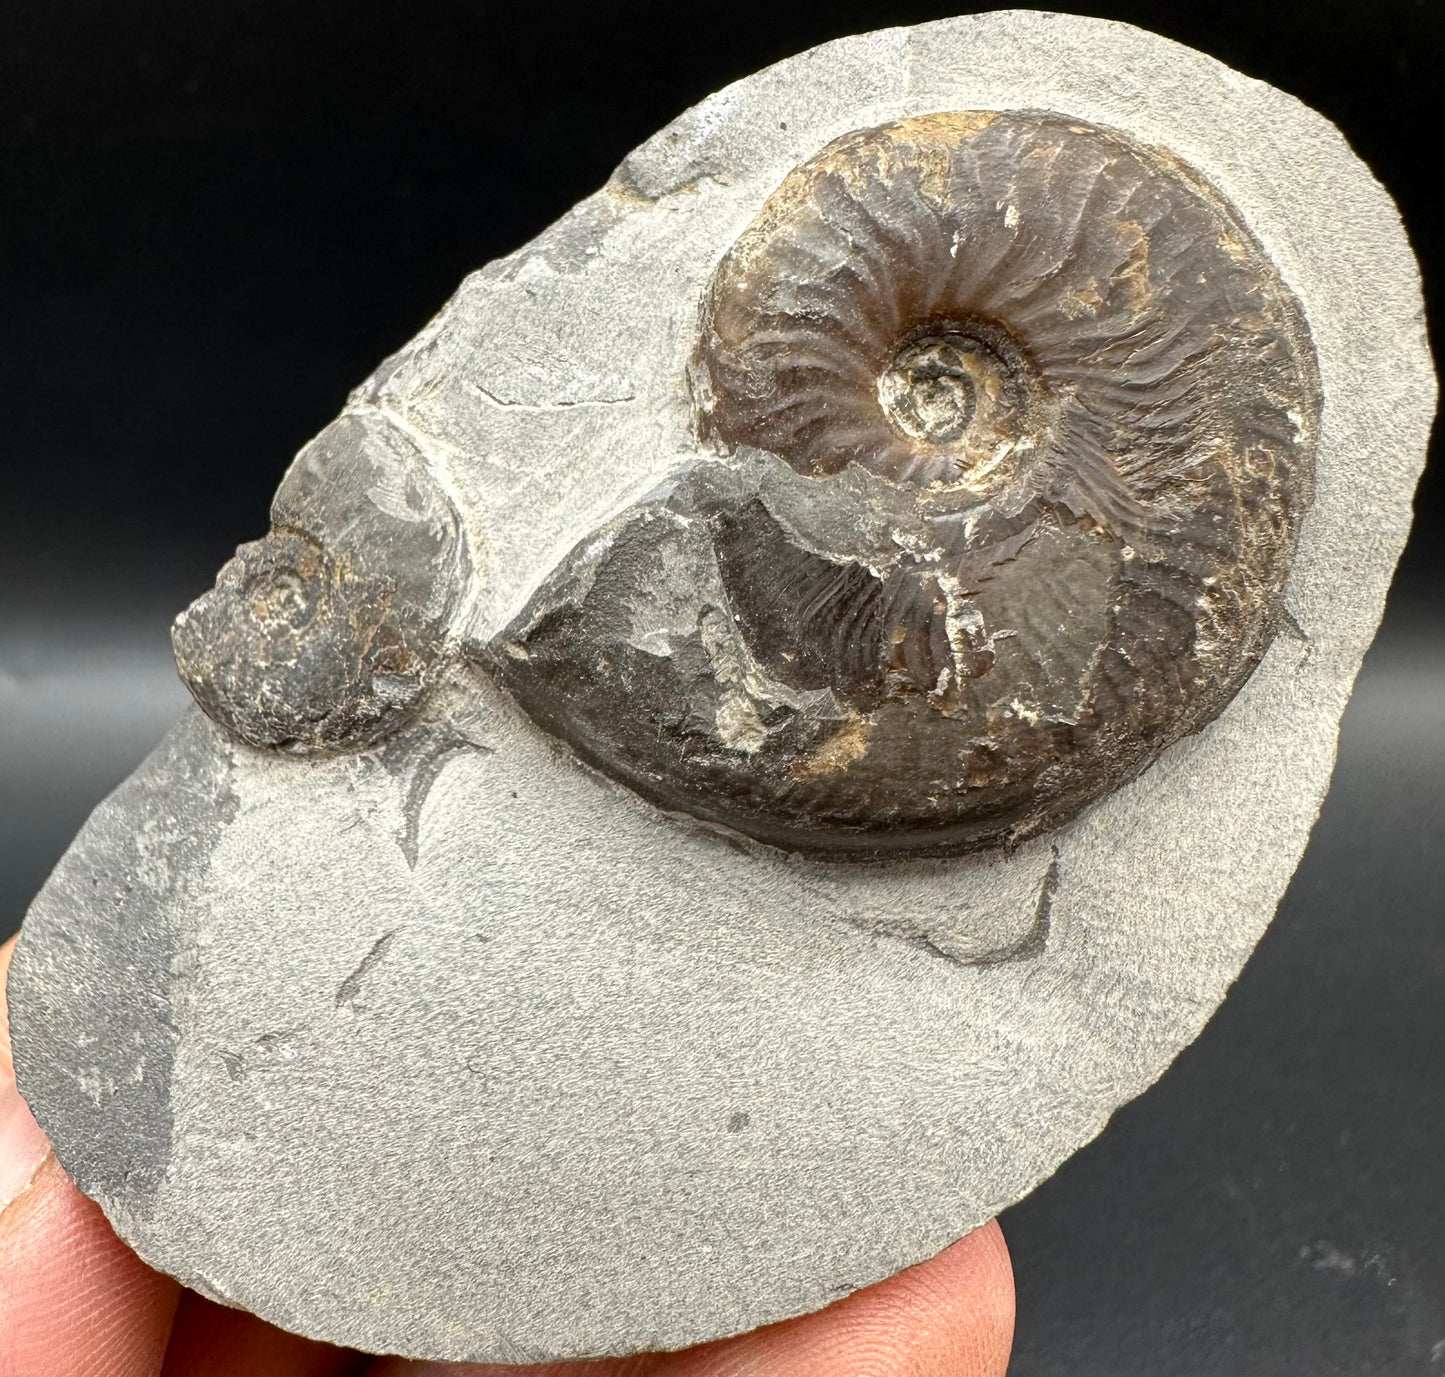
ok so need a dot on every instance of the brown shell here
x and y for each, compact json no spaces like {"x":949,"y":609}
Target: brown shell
{"x":1015,"y":422}
{"x":325,"y":634}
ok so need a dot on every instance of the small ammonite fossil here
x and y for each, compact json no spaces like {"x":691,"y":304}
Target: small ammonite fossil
{"x":323,"y":635}
{"x":1013,"y":423}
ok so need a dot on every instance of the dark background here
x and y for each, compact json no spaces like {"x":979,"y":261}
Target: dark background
{"x":215,"y":218}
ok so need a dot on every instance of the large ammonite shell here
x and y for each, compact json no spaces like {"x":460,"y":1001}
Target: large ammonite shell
{"x":1029,"y":420}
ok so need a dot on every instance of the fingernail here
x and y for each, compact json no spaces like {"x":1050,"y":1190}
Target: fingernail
{"x":23,"y":1147}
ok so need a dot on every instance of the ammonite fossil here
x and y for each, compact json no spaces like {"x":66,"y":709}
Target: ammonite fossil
{"x":1013,"y":426}
{"x":898,"y":454}
{"x":323,"y":634}
{"x":1018,"y":423}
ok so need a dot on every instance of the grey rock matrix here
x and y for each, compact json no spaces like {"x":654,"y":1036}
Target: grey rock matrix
{"x":392,"y":1002}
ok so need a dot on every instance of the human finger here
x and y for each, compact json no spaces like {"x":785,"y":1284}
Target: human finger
{"x":211,"y":1340}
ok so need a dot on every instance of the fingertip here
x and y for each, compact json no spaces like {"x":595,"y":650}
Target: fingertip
{"x":212,"y":1340}
{"x":75,"y":1298}
{"x":953,"y":1314}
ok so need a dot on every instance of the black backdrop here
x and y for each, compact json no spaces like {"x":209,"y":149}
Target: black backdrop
{"x":215,"y":218}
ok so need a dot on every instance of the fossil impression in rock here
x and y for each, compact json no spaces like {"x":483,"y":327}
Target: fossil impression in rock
{"x":784,"y":706}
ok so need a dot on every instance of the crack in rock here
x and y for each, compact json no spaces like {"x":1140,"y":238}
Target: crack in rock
{"x":349,"y":988}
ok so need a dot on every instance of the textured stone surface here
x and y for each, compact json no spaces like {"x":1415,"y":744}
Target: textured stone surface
{"x":451,"y":1046}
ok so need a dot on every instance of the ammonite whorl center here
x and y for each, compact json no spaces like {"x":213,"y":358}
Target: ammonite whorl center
{"x":950,"y":392}
{"x":931,"y":389}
